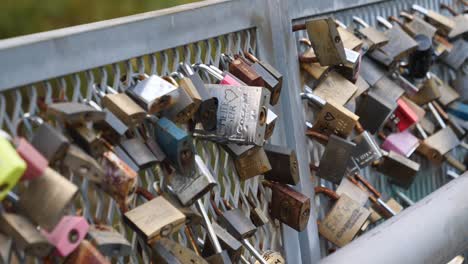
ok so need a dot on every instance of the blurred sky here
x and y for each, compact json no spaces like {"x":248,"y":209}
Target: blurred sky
{"x":20,"y":17}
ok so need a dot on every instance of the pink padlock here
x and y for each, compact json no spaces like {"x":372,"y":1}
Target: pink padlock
{"x":403,"y":143}
{"x":228,"y":79}
{"x":36,"y":164}
{"x":68,"y":234}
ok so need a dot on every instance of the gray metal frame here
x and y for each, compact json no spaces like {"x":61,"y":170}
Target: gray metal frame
{"x":35,"y":58}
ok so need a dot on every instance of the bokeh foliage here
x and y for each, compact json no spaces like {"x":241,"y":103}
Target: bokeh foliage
{"x":20,"y":17}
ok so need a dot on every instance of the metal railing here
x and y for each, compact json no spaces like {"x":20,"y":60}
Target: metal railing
{"x":68,"y":61}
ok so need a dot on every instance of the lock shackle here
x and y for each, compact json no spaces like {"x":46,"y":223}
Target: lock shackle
{"x":419,"y":9}
{"x":449,"y":8}
{"x":396,"y":20}
{"x":440,"y":110}
{"x":327,"y":192}
{"x":209,"y":70}
{"x":340,"y":24}
{"x":406,"y":15}
{"x":213,"y":204}
{"x":250,"y":200}
{"x":305,"y":41}
{"x":436,"y":115}
{"x":317,"y":100}
{"x":360,"y":21}
{"x":156,"y":188}
{"x":34,"y":119}
{"x":305,"y":59}
{"x":144,"y":193}
{"x":317,"y":135}
{"x":185,"y":68}
{"x":359,"y":128}
{"x":176,"y":75}
{"x":384,"y":22}
{"x":299,"y":27}
{"x":367,"y":185}
{"x":170,"y":80}
{"x":250,"y":56}
{"x":93,"y":104}
{"x":227,"y":204}
{"x":188,"y":232}
{"x":227,"y":58}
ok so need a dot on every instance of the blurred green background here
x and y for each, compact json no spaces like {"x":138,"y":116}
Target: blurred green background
{"x":20,"y":17}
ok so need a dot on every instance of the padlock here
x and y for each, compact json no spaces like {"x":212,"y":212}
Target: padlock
{"x":366,"y":150}
{"x":25,"y":235}
{"x":207,"y":111}
{"x":270,"y":82}
{"x":270,"y":123}
{"x":242,"y":115}
{"x":176,"y":143}
{"x":392,"y":203}
{"x":223,"y":78}
{"x":335,"y":158}
{"x":139,"y":152}
{"x":53,"y":191}
{"x":309,"y":63}
{"x":350,"y":69}
{"x":420,"y":60}
{"x":13,"y":167}
{"x":326,"y":41}
{"x":399,"y":46}
{"x":82,"y":164}
{"x":250,"y":161}
{"x":154,"y":219}
{"x":284,"y":164}
{"x":154,"y":94}
{"x":374,"y":110}
{"x":289,"y":206}
{"x":119,"y":179}
{"x":228,"y":242}
{"x":50,"y":142}
{"x":403,"y":143}
{"x":343,"y":221}
{"x":189,"y":188}
{"x":405,"y":115}
{"x":418,"y":110}
{"x":89,"y":139}
{"x":460,"y":27}
{"x":456,"y":58}
{"x":391,"y":88}
{"x":86,"y":253}
{"x":67,"y":234}
{"x":401,"y":170}
{"x":166,"y":251}
{"x":350,"y":41}
{"x":335,"y":88}
{"x":112,"y":128}
{"x":443,"y":140}
{"x":275,"y":90}
{"x":242,"y":70}
{"x":272,"y":257}
{"x":442,"y":23}
{"x":35,"y":162}
{"x":459,"y":110}
{"x":371,"y":71}
{"x":6,"y":249}
{"x":125,"y":158}
{"x":362,"y":86}
{"x":332,"y":118}
{"x":373,"y":37}
{"x":109,"y":242}
{"x":188,"y":102}
{"x":75,"y":113}
{"x":415,"y":25}
{"x":352,"y":191}
{"x":258,"y":217}
{"x":122,"y":106}
{"x":447,"y":94}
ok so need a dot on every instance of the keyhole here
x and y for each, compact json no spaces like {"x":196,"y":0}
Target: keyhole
{"x":337,"y":39}
{"x":73,"y":236}
{"x":262,"y":116}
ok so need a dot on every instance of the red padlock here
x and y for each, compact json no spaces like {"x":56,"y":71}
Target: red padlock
{"x":405,"y":115}
{"x":36,"y":164}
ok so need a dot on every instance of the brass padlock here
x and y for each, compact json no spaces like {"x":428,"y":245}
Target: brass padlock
{"x":228,"y":242}
{"x":289,"y":206}
{"x":401,"y":170}
{"x":352,"y":191}
{"x":25,"y":235}
{"x":272,"y":257}
{"x":399,"y":46}
{"x":122,"y":106}
{"x":326,"y":41}
{"x":335,"y":88}
{"x":242,"y":115}
{"x":109,"y":242}
{"x":82,"y":164}
{"x":343,"y":221}
{"x":155,"y":219}
{"x":373,"y":37}
{"x":75,"y":113}
{"x":188,"y":102}
{"x":374,"y":110}
{"x":86,"y":253}
{"x":389,"y":88}
{"x":112,"y":128}
{"x":166,"y":251}
{"x":392,"y":203}
{"x":460,"y":21}
{"x":53,"y":192}
{"x":334,"y":161}
{"x":89,"y":139}
{"x":332,"y":118}
{"x":284,"y":164}
{"x":443,"y":23}
{"x":250,"y":161}
{"x":447,"y":94}
{"x":416,"y":25}
{"x":427,"y":93}
{"x":350,"y":41}
{"x":154,"y":94}
{"x":309,"y":63}
{"x":443,"y":140}
{"x":371,"y":71}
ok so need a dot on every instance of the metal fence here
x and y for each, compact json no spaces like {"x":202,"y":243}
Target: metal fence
{"x":69,"y":61}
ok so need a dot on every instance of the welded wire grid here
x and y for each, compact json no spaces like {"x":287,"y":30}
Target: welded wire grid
{"x":100,"y":208}
{"x":430,"y":177}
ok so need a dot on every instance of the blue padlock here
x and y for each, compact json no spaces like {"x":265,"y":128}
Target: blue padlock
{"x":177,"y":145}
{"x":459,"y":110}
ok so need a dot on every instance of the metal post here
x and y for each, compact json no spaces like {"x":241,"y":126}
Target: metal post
{"x":433,"y":230}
